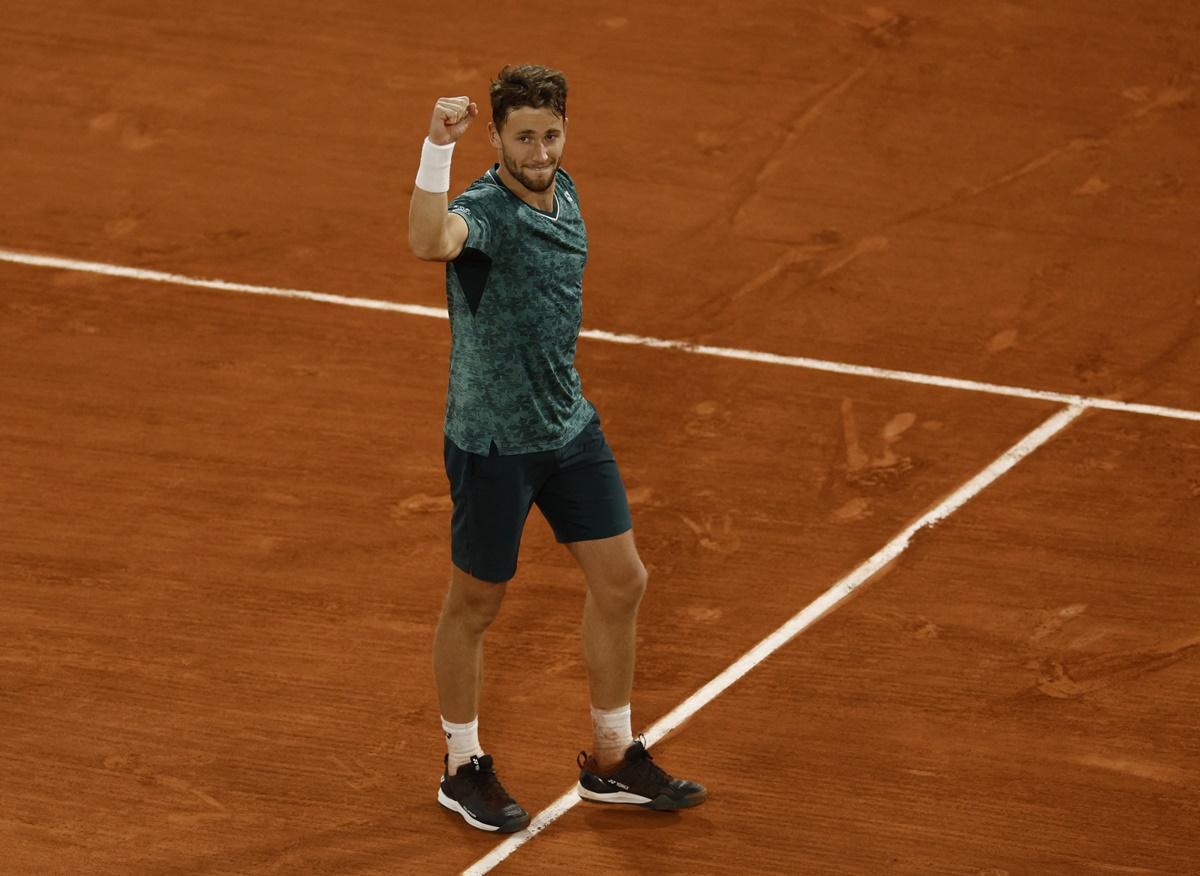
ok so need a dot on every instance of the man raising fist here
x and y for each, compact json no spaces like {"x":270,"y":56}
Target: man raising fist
{"x":451,"y":117}
{"x":519,"y":432}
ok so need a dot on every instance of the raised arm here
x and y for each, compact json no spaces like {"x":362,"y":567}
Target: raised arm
{"x":434,"y":233}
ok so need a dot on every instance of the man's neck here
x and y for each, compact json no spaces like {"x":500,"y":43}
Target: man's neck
{"x":543,"y":201}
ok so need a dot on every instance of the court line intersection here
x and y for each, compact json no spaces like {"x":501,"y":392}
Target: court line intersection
{"x":800,"y":621}
{"x":1075,"y":406}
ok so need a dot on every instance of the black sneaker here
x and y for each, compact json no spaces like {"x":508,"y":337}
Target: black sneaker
{"x":475,"y":793}
{"x":637,"y":780}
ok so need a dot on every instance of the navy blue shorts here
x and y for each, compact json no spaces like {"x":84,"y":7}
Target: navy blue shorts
{"x":577,"y":488}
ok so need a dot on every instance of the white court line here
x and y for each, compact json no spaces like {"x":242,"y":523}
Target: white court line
{"x":23,"y":258}
{"x":806,"y":617}
{"x":823,"y":604}
{"x":37,"y":261}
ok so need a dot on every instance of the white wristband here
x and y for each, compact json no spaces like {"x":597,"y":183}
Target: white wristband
{"x":434,"y":173}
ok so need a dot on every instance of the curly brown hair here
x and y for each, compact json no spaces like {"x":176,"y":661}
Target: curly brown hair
{"x":528,"y":85}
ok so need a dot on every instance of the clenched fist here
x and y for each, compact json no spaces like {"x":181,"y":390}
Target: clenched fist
{"x":451,"y":118}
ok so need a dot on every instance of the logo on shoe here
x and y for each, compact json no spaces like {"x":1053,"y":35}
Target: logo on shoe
{"x":618,"y":784}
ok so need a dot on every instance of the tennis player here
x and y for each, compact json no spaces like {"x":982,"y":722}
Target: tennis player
{"x":519,"y":432}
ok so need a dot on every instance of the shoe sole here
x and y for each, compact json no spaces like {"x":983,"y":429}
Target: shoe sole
{"x":508,"y":826}
{"x":662,"y":802}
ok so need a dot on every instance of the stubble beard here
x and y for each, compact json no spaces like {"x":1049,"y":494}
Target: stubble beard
{"x":519,"y":175}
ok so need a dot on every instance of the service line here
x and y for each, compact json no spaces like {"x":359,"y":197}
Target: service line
{"x":1108,"y":404}
{"x":803,"y":619}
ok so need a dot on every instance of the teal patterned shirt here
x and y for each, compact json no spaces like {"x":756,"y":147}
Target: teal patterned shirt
{"x":515,"y":296}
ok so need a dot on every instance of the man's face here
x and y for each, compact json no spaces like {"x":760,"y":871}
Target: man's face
{"x":531,"y":145}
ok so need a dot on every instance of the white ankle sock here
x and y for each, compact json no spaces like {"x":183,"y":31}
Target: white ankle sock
{"x":462,"y":741}
{"x":613,"y":732}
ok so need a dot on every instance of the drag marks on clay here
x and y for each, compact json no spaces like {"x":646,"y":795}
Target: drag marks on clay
{"x":858,"y":508}
{"x":104,"y":122}
{"x":793,"y":130}
{"x":882,"y":28}
{"x":132,"y":134}
{"x":1055,"y":646}
{"x":1141,"y":769}
{"x":360,"y":777}
{"x":757,"y":177}
{"x":642,"y":497}
{"x":1094,"y":185}
{"x":893,"y":430}
{"x":877,"y":25}
{"x":122,"y":227}
{"x":865,"y":468}
{"x":1055,"y":620}
{"x":822,"y":257}
{"x":715,"y":534}
{"x":1094,"y":367}
{"x":700,"y":614}
{"x":1153,"y":106}
{"x":927,"y":631}
{"x":1005,"y":339}
{"x":861,"y":247}
{"x":1187,"y":333}
{"x":1034,"y":315}
{"x":710,"y":420}
{"x":420,"y":503}
{"x":1171,"y":97}
{"x":817,"y":260}
{"x":145,"y":774}
{"x":1070,"y":677}
{"x":872,"y":469}
{"x":219,"y":811}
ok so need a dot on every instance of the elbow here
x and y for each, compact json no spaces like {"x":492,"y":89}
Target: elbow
{"x":416,"y":246}
{"x":423,"y":250}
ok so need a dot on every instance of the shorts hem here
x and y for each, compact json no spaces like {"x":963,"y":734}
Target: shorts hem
{"x":478,"y":577}
{"x":597,"y":537}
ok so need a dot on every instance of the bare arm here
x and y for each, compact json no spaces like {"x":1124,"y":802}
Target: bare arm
{"x":435,"y":234}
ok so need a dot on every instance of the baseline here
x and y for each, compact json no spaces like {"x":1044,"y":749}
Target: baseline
{"x":1071,"y":400}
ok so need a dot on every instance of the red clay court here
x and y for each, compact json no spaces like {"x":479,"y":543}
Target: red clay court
{"x":898,"y":303}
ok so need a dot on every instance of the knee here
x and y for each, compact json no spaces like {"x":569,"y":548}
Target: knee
{"x":474,"y":607}
{"x":622,"y":592}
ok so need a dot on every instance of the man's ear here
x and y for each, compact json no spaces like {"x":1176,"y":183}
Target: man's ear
{"x":493,"y":135}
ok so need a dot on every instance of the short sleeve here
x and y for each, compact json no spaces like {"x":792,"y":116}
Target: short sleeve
{"x":569,"y":186}
{"x":480,"y":228}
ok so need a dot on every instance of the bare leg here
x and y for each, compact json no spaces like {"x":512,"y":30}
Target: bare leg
{"x":470,"y":607}
{"x":616,"y":580}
